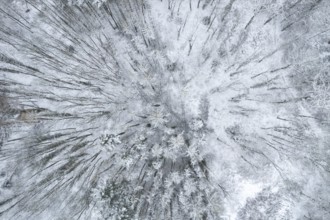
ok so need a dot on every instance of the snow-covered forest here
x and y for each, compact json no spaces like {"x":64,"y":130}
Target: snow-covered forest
{"x":165,"y":109}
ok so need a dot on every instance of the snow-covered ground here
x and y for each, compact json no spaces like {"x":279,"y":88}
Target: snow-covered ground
{"x":172,"y":109}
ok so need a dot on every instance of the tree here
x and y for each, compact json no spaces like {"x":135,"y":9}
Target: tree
{"x":157,"y":109}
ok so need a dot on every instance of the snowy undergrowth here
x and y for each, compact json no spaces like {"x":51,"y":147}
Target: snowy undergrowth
{"x":161,"y":110}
